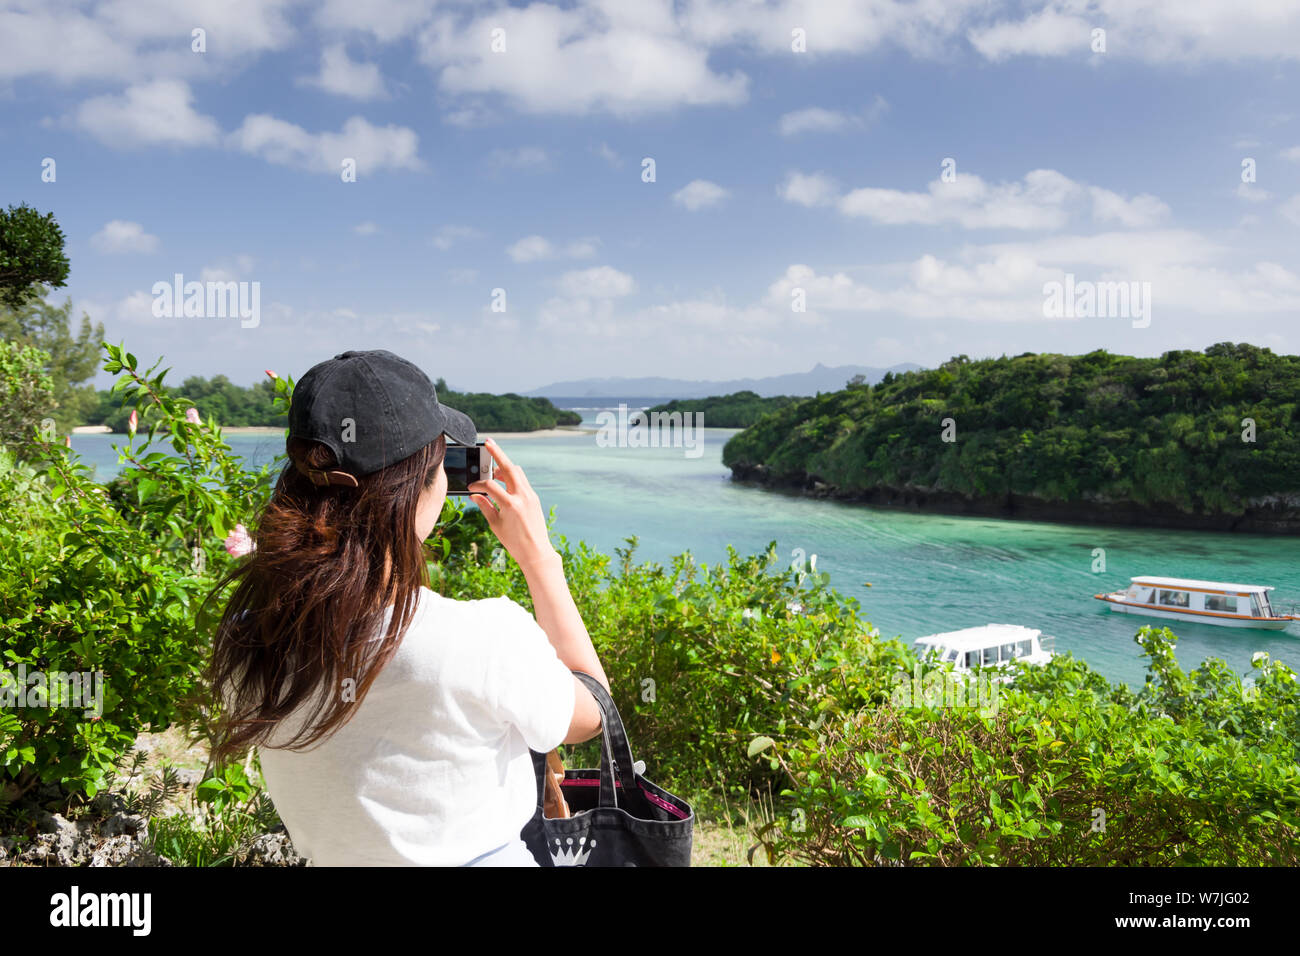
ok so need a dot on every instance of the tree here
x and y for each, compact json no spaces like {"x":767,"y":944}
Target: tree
{"x":31,"y":255}
{"x":71,"y":361}
{"x":26,"y":393}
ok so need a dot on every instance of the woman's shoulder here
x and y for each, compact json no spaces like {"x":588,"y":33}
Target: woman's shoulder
{"x":502,"y":606}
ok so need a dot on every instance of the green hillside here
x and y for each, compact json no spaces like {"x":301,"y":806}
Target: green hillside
{"x":1088,"y":432}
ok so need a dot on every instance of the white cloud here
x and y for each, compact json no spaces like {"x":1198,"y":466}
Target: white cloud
{"x":552,"y":54}
{"x":386,"y":20}
{"x":1038,"y":202}
{"x":373,"y":147}
{"x":844,"y":27}
{"x":530,"y":249}
{"x":156,"y":113}
{"x":1291,"y":209}
{"x":535,"y":248}
{"x":609,"y":156}
{"x":468,"y":117}
{"x":1252,"y":193}
{"x":1004,"y":282}
{"x":651,"y":55}
{"x":448,"y":236}
{"x":228,"y":271}
{"x":1165,"y":31}
{"x":1043,"y":199}
{"x":815,"y":119}
{"x":125,"y":40}
{"x":119,"y":236}
{"x":1292,"y":154}
{"x":600,"y":282}
{"x":68,"y":46}
{"x":699,"y":194}
{"x":582,"y":248}
{"x":809,"y":189}
{"x":1117,"y":250}
{"x":1048,"y":32}
{"x":521,"y":157}
{"x":365,"y":228}
{"x":344,"y":77}
{"x":1139,"y":212}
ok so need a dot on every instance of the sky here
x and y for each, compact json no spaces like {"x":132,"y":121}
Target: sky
{"x":865,"y":183}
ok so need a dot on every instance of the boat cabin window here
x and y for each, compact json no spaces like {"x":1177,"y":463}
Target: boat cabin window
{"x":990,"y":655}
{"x":949,"y":655}
{"x":1008,"y":651}
{"x":972,"y":658}
{"x":1025,"y":648}
{"x":1172,"y":598}
{"x":1254,"y":606}
{"x":1221,"y":602}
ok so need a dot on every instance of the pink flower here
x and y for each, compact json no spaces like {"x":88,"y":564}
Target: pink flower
{"x":132,"y":422}
{"x":238,"y":542}
{"x":270,"y":373}
{"x":192,"y":416}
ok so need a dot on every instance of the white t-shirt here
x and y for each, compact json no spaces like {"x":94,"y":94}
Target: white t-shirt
{"x":433,"y":769}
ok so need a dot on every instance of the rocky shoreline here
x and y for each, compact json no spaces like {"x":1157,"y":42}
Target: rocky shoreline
{"x":1275,"y":514}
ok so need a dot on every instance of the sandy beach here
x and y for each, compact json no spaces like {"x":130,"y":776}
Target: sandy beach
{"x":540,"y":433}
{"x":271,"y":430}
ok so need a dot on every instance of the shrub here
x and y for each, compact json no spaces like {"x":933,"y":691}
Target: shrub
{"x":92,"y":584}
{"x":1195,"y":770}
{"x":26,"y":393}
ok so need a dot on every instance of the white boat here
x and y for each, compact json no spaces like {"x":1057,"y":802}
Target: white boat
{"x":986,"y":647}
{"x":1206,"y":602}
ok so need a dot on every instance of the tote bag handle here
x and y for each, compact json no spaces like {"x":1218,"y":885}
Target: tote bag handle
{"x":616,"y":754}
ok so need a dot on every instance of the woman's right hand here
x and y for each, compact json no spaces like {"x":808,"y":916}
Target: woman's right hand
{"x":514,"y":513}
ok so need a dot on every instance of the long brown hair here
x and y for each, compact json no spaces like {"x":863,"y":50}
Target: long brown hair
{"x":328,"y":561}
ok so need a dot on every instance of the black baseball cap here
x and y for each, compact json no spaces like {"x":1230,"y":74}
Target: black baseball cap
{"x":372,"y":409}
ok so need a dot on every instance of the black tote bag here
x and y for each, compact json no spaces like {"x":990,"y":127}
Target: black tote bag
{"x":619,"y":818}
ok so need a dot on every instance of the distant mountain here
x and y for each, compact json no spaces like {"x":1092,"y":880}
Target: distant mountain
{"x":819,"y":379}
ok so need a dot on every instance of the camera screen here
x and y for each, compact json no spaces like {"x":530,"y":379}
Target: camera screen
{"x":462,"y":466}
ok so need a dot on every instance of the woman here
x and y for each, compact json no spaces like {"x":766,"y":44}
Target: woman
{"x":394,"y":724}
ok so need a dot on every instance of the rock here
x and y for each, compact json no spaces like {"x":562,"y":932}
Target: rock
{"x":107,"y":803}
{"x":126,"y":851}
{"x":189,"y":778}
{"x":271,"y":849}
{"x":60,"y":842}
{"x":123,"y":824}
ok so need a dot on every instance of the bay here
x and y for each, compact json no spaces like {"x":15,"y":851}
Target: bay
{"x":928,"y":573}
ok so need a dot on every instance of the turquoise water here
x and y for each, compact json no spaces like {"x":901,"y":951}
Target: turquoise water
{"x":928,"y":573}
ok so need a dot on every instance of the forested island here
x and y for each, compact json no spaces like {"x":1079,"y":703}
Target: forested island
{"x":1189,"y":439}
{"x":737,"y":410}
{"x":236,"y":406}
